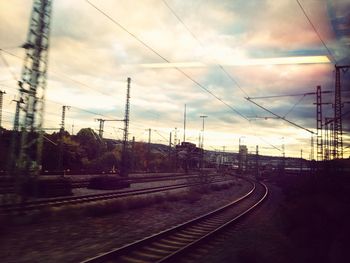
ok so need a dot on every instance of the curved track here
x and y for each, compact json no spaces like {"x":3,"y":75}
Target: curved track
{"x":173,"y":244}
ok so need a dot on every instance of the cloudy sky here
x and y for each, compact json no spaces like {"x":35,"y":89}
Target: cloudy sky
{"x":207,"y":54}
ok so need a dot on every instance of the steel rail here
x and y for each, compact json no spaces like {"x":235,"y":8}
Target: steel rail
{"x":63,"y":201}
{"x":172,"y":243}
{"x":7,"y":187}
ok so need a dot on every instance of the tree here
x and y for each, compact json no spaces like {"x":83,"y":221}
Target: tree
{"x":90,"y":143}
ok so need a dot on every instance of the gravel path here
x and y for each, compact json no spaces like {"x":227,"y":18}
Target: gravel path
{"x":76,"y":239}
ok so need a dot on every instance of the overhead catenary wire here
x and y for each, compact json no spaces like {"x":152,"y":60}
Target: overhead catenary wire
{"x":223,"y":70}
{"x":8,"y":65}
{"x":293,"y":107}
{"x":289,"y":95}
{"x":59,"y":74}
{"x":316,"y":31}
{"x":55,"y":102}
{"x":280,"y":117}
{"x":202,"y":46}
{"x":162,"y":57}
{"x":78,"y":82}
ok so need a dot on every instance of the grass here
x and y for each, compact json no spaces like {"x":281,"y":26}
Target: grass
{"x":103,"y":208}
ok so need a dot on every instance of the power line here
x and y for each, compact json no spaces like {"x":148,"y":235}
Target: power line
{"x":290,"y":95}
{"x":182,"y":22}
{"x":222,"y":68}
{"x":59,"y":74}
{"x":66,"y":76}
{"x":295,"y":104}
{"x":71,"y":79}
{"x":159,"y":55}
{"x":211,"y":93}
{"x":319,"y":36}
{"x":280,"y":117}
{"x":202,"y":46}
{"x":8,"y":66}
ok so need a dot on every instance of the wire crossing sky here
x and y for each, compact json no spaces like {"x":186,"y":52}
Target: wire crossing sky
{"x":208,"y":55}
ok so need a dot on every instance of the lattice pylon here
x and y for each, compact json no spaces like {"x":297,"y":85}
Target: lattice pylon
{"x":32,"y":88}
{"x":338,"y":128}
{"x":319,"y":139}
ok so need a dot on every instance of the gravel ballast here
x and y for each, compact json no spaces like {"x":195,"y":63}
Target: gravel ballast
{"x":75,"y":239}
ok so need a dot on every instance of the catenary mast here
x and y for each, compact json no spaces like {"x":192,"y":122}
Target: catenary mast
{"x":32,"y":88}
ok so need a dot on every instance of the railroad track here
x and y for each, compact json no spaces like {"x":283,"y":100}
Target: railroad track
{"x":72,"y":200}
{"x":136,"y":180}
{"x":174,"y":244}
{"x":7,"y":187}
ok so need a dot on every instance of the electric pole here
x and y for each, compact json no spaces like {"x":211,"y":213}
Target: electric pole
{"x":175,"y":137}
{"x":283,"y":157}
{"x":301,"y":161}
{"x":319,"y":138}
{"x":170,"y":149}
{"x":257,"y":161}
{"x":124,"y":166}
{"x":149,"y":148}
{"x":102,"y":125}
{"x":32,"y":86}
{"x":185,"y":124}
{"x":133,"y":154}
{"x":1,"y":102}
{"x":63,"y":117}
{"x":60,"y":154}
{"x":338,"y":127}
{"x":203,"y":117}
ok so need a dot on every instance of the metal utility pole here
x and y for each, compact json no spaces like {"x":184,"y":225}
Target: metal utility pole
{"x":283,"y":157}
{"x":257,"y":161}
{"x":1,"y":102}
{"x":223,"y":154}
{"x":301,"y":161}
{"x":203,"y":117}
{"x":185,"y":124}
{"x":240,"y":155}
{"x":133,"y":154}
{"x":170,"y":149}
{"x":149,"y":148}
{"x":312,"y":148}
{"x":100,"y":130}
{"x":101,"y":126}
{"x":175,"y":137}
{"x":124,"y":166}
{"x":338,"y":127}
{"x":32,"y":88}
{"x":63,"y":118}
{"x":60,"y":156}
{"x":11,"y":161}
{"x":328,"y":129}
{"x":319,"y":141}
